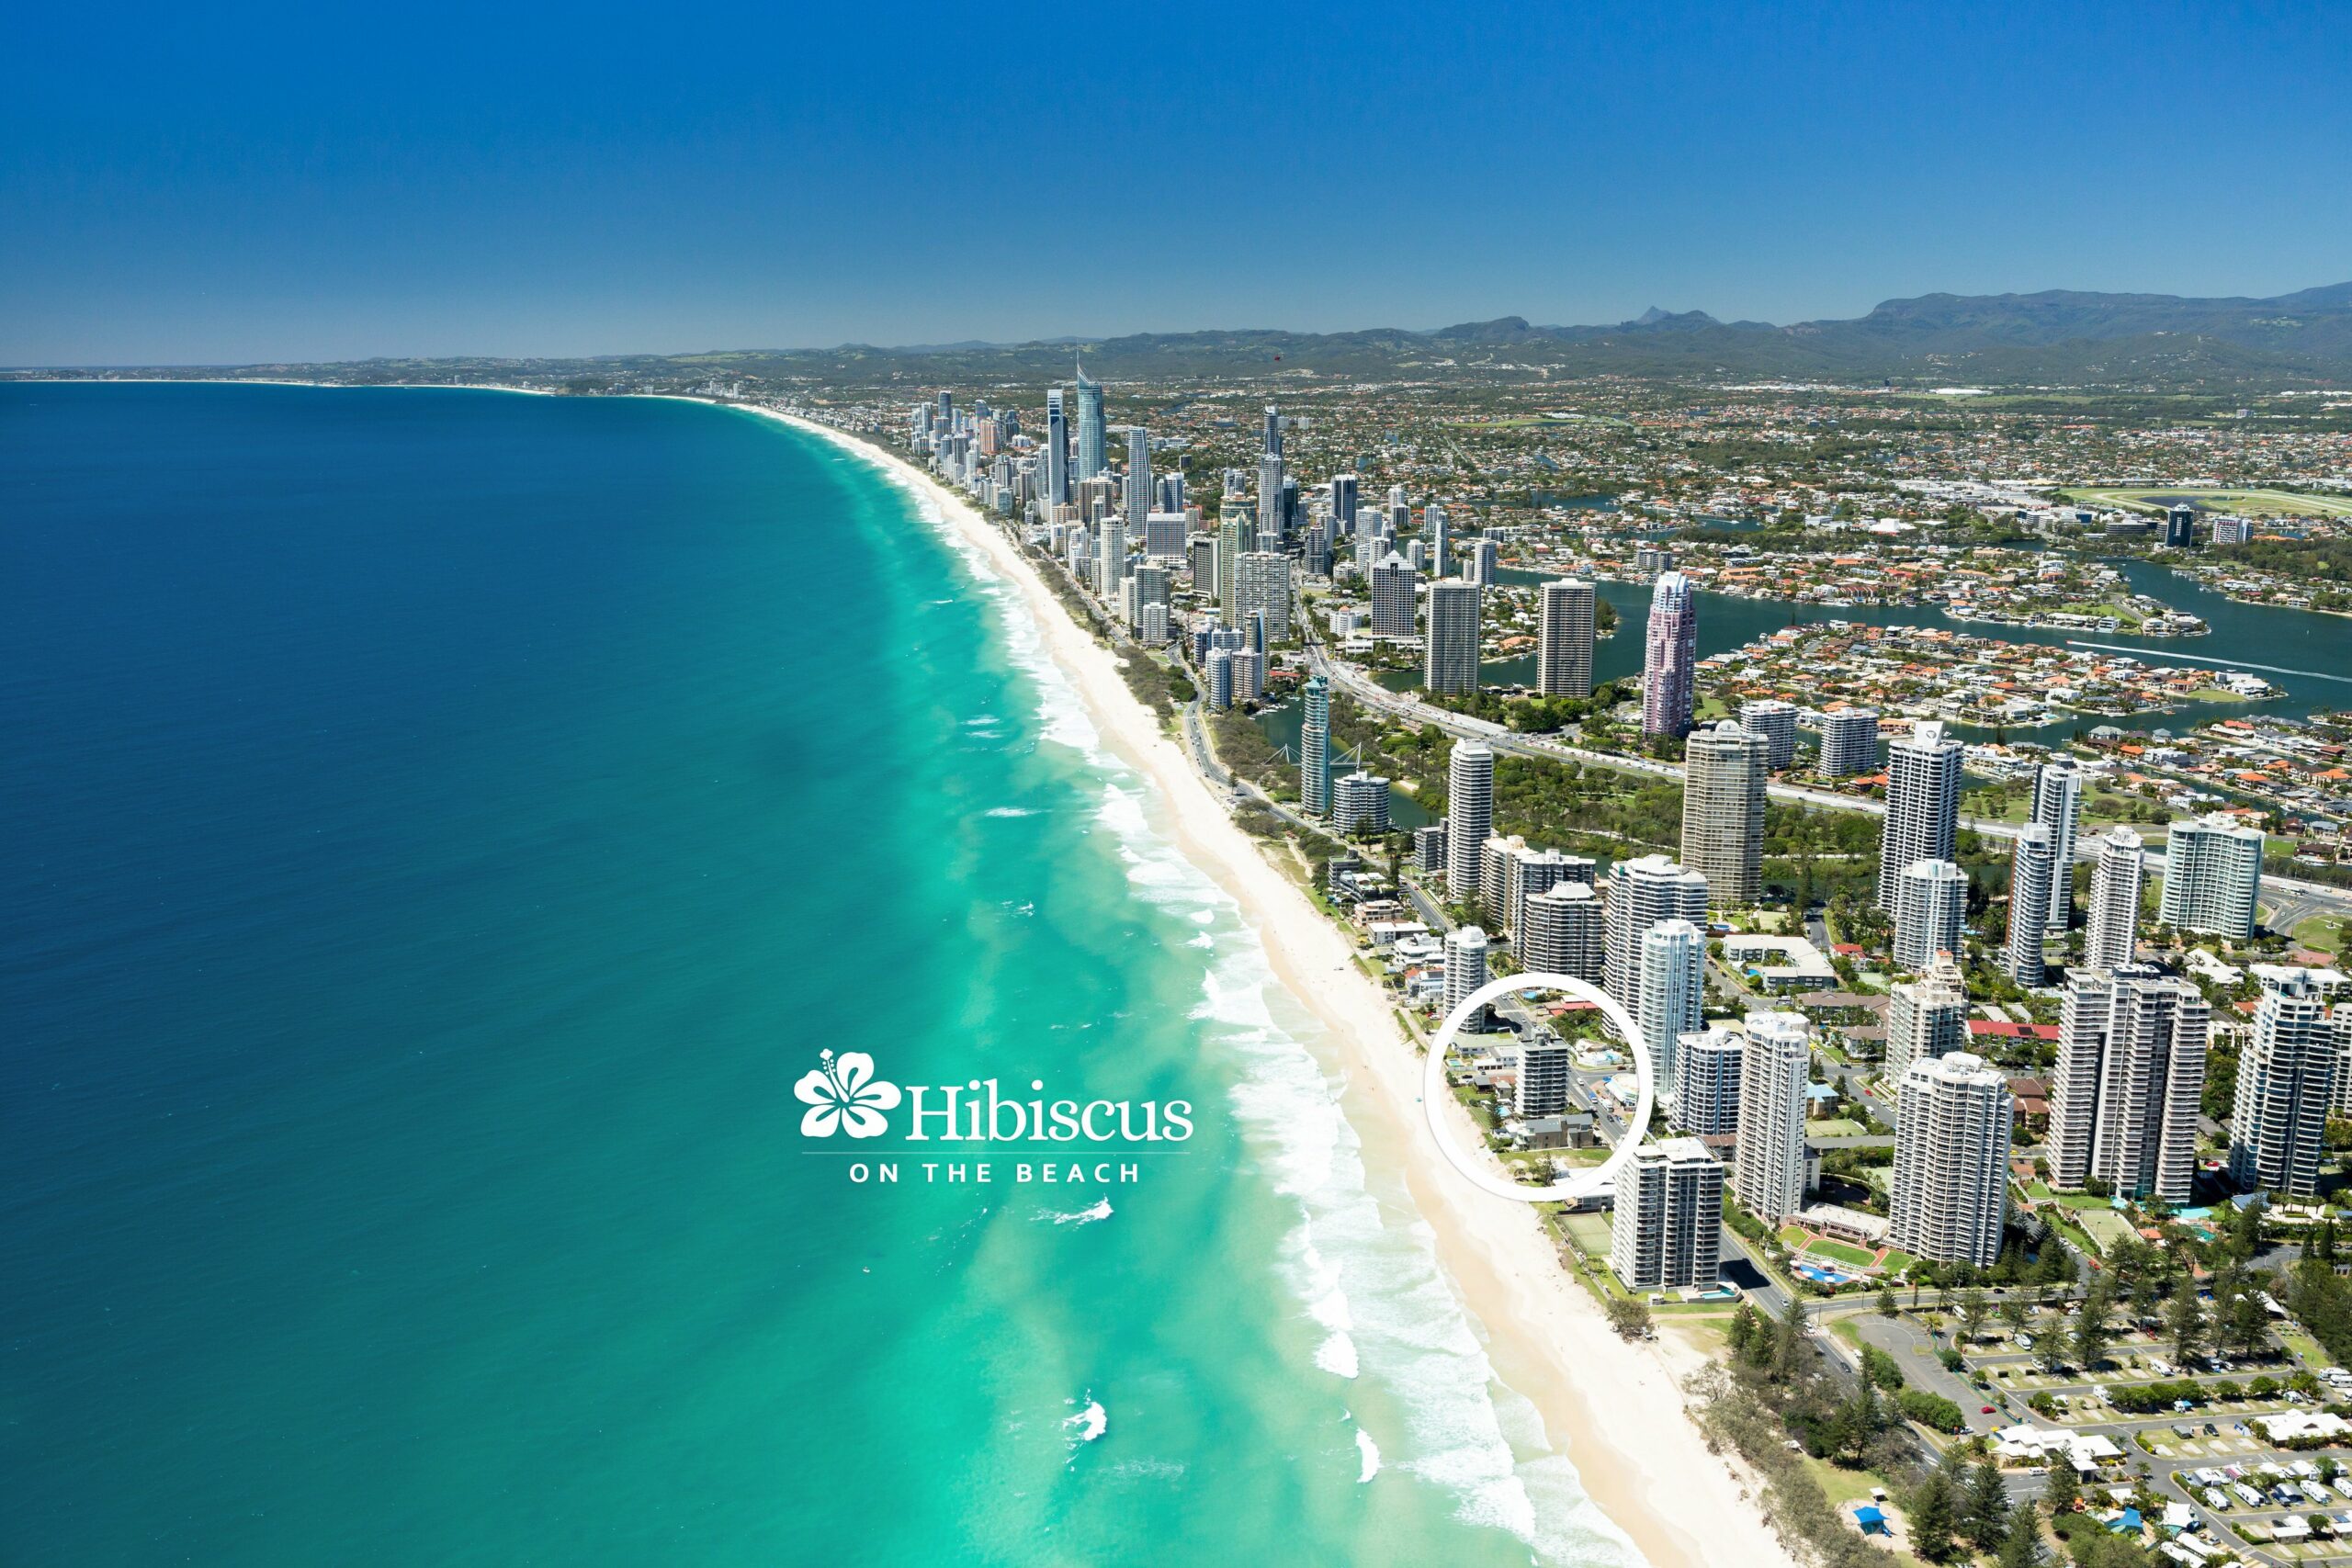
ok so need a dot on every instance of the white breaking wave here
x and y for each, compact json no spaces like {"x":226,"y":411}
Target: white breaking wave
{"x":1088,"y":1423}
{"x":1370,"y":1282}
{"x":1099,"y":1210}
{"x":1011,"y":811}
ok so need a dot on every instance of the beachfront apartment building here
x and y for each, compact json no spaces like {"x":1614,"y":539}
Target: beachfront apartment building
{"x":1922,"y":821}
{"x":1775,"y":1065}
{"x":2124,"y":1098}
{"x":1926,"y":1019}
{"x":2058,"y":805}
{"x":2286,"y":1073}
{"x":1315,"y":747}
{"x":2033,"y":880}
{"x":1930,"y":900}
{"x":1469,"y":815}
{"x":1706,"y":1081}
{"x":1564,"y":931}
{"x":1465,"y":968}
{"x":1951,"y":1188}
{"x":1642,"y":892}
{"x":1673,"y":991}
{"x":1564,"y":639}
{"x":1359,"y":803}
{"x":1724,"y":769}
{"x":1667,"y":1230}
{"x":2212,"y":882}
{"x":2110,"y":938}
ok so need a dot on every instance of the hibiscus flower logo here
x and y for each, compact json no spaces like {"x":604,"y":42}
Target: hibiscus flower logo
{"x":844,"y":1095}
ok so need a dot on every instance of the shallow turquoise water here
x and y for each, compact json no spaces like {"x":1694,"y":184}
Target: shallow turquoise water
{"x":437,"y":831}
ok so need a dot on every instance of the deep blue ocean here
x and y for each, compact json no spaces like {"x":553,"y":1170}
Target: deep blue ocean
{"x":438,"y":831}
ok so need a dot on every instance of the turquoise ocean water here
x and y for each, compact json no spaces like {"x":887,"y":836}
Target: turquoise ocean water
{"x":436,"y":831}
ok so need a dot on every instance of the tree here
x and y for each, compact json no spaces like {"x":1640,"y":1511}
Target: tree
{"x":1972,"y":1313}
{"x":2188,"y":1323}
{"x":1933,"y":1515}
{"x":1742,"y":1332}
{"x":2246,"y":1232}
{"x":2065,"y":1487}
{"x":2246,"y":1321}
{"x":1988,"y":1506}
{"x":2022,"y":1547}
{"x":1629,"y":1317}
{"x":2091,"y":1335}
{"x":1788,"y":1343}
{"x":1887,"y":1303}
{"x":2016,"y":1313}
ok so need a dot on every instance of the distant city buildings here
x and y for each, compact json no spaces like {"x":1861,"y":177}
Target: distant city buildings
{"x":1725,"y":767}
{"x":2213,"y":883}
{"x":1951,"y":1188}
{"x":1671,"y":658}
{"x":1564,"y":639}
{"x":2131,"y":1073}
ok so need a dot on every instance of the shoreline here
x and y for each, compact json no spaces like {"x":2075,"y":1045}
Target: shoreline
{"x":1613,"y":1408}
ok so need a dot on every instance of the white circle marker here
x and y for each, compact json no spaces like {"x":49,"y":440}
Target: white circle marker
{"x":1584,"y":1183}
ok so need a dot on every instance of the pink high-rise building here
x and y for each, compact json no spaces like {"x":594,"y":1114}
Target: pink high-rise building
{"x":1671,"y":660}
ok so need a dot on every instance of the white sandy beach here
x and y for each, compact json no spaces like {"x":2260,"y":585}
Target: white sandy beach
{"x":1614,"y":1408}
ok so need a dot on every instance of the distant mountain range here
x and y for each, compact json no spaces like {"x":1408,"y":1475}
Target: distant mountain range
{"x":2062,"y":336}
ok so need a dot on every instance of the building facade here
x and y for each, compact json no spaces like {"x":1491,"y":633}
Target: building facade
{"x":1768,"y":1175}
{"x":2212,"y":882}
{"x":1564,"y":639}
{"x":1950,"y":1190}
{"x":2125,"y":1099}
{"x":1667,"y":1230}
{"x":1922,"y":821}
{"x":1724,"y":769}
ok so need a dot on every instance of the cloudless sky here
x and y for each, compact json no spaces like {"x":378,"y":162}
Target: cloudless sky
{"x":239,"y":182}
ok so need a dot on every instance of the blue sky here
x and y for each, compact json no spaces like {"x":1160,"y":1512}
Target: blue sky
{"x":239,"y":183}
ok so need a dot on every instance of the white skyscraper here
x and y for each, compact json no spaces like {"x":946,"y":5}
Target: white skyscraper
{"x":1706,"y":1081}
{"x":1776,"y":721}
{"x":1642,"y":892}
{"x":1056,"y":452}
{"x":1393,"y":585}
{"x":2113,"y":939}
{"x":2213,"y":877}
{"x":1450,"y":662}
{"x":2058,"y":805}
{"x":1951,"y":1189}
{"x":1673,"y":990}
{"x":1139,"y":490}
{"x":1360,"y":803}
{"x":1725,"y":770}
{"x":1564,"y":931}
{"x":2277,"y":1131}
{"x":1665,"y":1232}
{"x":2123,"y":1101}
{"x":1922,"y":818}
{"x":2033,"y":877}
{"x":1469,"y":815}
{"x":1093,"y":458}
{"x":1110,"y":559}
{"x":1465,"y":966}
{"x":1769,"y":1174}
{"x":1272,"y":519}
{"x":1563,"y":639}
{"x":1849,"y":742}
{"x":1314,"y":749}
{"x":1930,"y":899}
{"x":1925,"y":1018}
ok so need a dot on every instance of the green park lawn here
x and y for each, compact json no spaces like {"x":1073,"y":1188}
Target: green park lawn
{"x":2243,"y":503}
